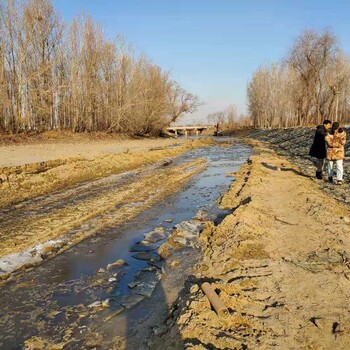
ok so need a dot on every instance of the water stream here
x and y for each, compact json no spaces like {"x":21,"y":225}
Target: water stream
{"x":52,"y":301}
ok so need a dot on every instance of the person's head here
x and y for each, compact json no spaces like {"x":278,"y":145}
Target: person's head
{"x":327,"y":123}
{"x":335,"y":127}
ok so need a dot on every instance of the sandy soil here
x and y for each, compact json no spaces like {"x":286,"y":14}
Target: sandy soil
{"x":280,"y":263}
{"x":13,"y":155}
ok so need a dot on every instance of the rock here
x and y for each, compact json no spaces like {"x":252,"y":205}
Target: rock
{"x":145,"y":289}
{"x":180,"y":240}
{"x":185,"y":234}
{"x":95,"y":304}
{"x":117,"y":263}
{"x":146,"y":256}
{"x":153,"y":236}
{"x":165,"y":250}
{"x":132,"y":285}
{"x":167,"y":162}
{"x":194,"y":289}
{"x":112,"y":279}
{"x":150,"y":269}
{"x":146,"y":282}
{"x":101,"y":270}
{"x":188,"y":229}
{"x":168,"y":220}
{"x":174,"y":263}
{"x":105,"y":303}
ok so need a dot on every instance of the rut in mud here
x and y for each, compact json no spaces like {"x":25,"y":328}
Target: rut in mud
{"x":80,"y":299}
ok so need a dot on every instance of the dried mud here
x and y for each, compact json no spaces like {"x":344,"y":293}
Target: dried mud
{"x":280,"y":263}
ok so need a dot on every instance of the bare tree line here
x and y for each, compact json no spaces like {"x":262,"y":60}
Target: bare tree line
{"x":55,"y":76}
{"x":229,"y":118}
{"x":311,"y":84}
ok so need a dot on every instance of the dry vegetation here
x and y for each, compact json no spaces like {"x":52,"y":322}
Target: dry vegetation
{"x":312,"y":83}
{"x":58,"y":76}
{"x":22,"y":182}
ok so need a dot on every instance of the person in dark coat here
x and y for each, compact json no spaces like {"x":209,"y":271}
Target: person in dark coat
{"x":318,"y":149}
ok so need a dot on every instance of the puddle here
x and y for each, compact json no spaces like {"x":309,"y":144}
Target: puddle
{"x":52,"y":300}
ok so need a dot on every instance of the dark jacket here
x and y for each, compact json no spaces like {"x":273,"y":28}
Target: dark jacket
{"x":318,"y":148}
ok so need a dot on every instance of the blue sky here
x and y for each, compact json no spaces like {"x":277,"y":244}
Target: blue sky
{"x":212,"y":47}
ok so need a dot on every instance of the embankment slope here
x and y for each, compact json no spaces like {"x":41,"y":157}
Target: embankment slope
{"x":280,"y":263}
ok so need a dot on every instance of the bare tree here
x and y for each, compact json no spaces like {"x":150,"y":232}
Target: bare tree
{"x":54,"y":76}
{"x":311,"y":56}
{"x":310,"y":85}
{"x":43,"y":31}
{"x":181,"y":101}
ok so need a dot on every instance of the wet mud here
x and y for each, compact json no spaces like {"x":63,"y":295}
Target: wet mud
{"x":114,"y":288}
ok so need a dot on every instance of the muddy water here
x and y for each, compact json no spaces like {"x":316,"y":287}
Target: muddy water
{"x":60,"y":301}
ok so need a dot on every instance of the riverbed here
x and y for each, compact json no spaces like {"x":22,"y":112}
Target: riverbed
{"x":86,"y":296}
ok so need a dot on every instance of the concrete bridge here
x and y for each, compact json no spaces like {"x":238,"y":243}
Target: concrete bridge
{"x":198,"y":129}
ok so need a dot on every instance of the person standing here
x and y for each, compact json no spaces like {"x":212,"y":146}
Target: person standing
{"x":335,"y":152}
{"x":318,"y":148}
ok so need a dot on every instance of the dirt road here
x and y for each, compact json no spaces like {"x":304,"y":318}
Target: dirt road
{"x":280,"y":263}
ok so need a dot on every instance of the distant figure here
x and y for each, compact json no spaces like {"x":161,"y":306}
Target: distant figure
{"x":318,"y":148}
{"x":335,"y":152}
{"x":218,"y":131}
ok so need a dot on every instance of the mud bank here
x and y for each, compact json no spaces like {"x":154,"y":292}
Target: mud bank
{"x":280,"y":263}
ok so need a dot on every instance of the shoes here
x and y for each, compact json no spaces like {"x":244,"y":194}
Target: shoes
{"x":330,"y":179}
{"x":319,"y":175}
{"x":338,"y":182}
